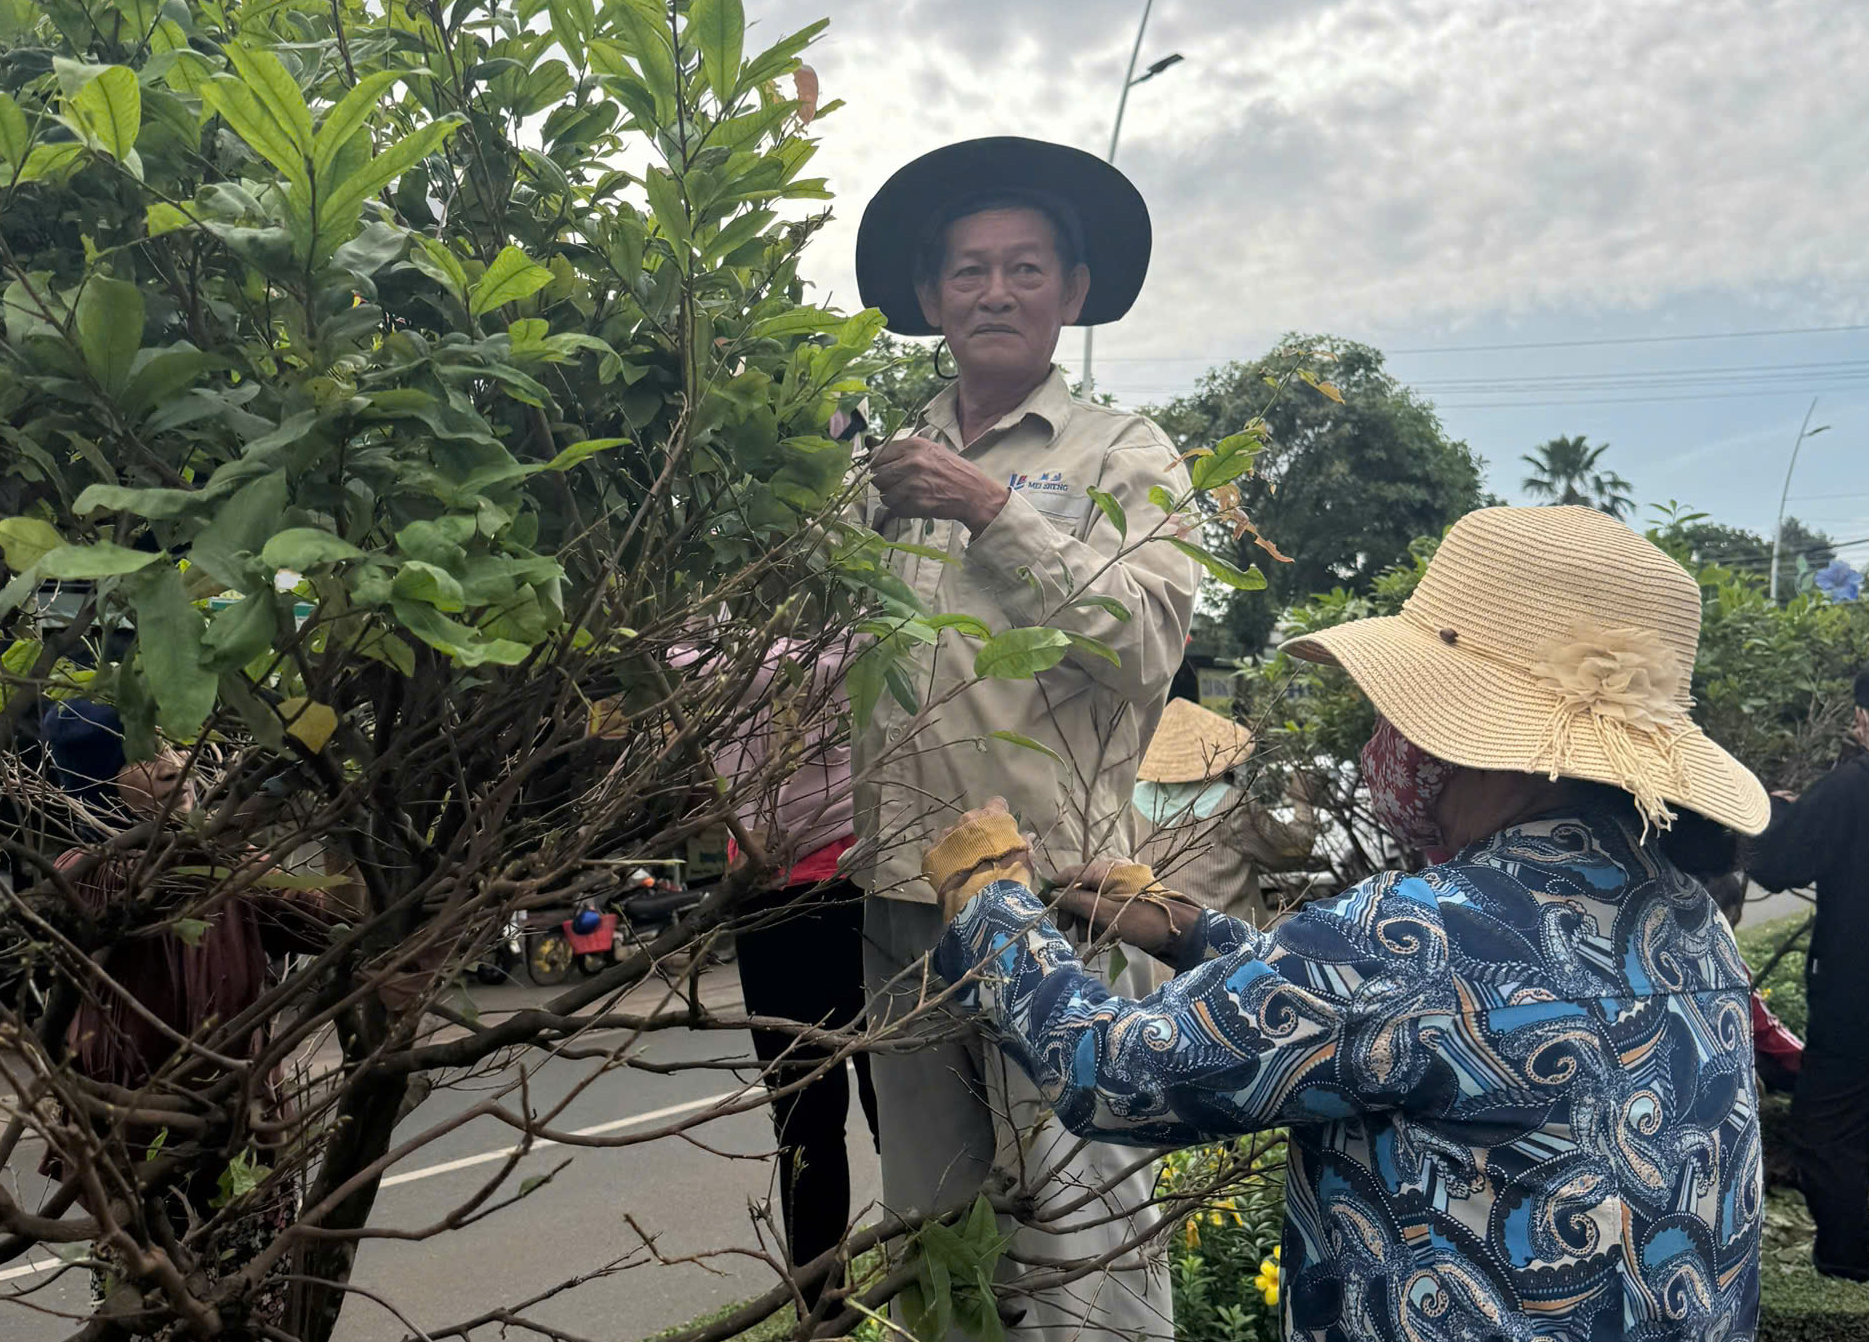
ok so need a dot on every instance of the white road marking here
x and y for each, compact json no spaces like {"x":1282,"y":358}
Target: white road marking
{"x":488,"y":1157}
{"x":468,"y":1162}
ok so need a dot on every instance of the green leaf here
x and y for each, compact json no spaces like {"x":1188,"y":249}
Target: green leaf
{"x":1111,"y":509}
{"x":51,"y":160}
{"x":441,"y":265}
{"x":241,"y":633}
{"x":1108,"y":604}
{"x":864,"y":679}
{"x":241,"y":109}
{"x":102,"y":560}
{"x":781,"y":55}
{"x":163,"y":217}
{"x":15,"y":134}
{"x":422,"y":581}
{"x":191,"y":931}
{"x":922,"y":551}
{"x":466,"y":646}
{"x":737,"y":234}
{"x":346,"y":199}
{"x":646,"y":23}
{"x":242,"y":1175}
{"x":110,"y":108}
{"x":1161,"y":498}
{"x":665,"y":201}
{"x":1027,"y":743}
{"x":168,"y":636}
{"x":110,"y":329}
{"x":967,"y":625}
{"x":276,"y":91}
{"x":1020,"y":654}
{"x":582,"y":451}
{"x":512,"y":276}
{"x":1241,"y":580}
{"x":242,"y":525}
{"x":1094,"y":648}
{"x":796,"y":321}
{"x":26,"y":540}
{"x":718,"y":27}
{"x":302,"y":549}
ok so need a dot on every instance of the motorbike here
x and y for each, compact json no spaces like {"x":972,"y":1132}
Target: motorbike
{"x":506,"y":954}
{"x":600,"y":931}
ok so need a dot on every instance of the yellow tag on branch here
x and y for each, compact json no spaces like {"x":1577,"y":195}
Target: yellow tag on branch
{"x":309,"y":722}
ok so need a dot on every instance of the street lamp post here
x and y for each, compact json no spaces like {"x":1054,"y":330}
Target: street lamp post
{"x":1130,"y":80}
{"x":1778,"y":531}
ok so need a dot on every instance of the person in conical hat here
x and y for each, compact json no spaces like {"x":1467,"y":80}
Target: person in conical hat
{"x":1203,"y":833}
{"x":998,"y":245}
{"x":1519,"y":1083}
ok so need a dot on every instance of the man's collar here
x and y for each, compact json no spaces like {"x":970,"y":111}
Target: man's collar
{"x":1050,"y":401}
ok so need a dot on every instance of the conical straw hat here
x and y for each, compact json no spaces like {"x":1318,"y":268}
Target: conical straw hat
{"x":1193,"y":744}
{"x":1554,"y":641}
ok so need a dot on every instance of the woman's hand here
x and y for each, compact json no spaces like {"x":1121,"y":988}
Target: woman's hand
{"x":1111,"y":894}
{"x":983,"y":847}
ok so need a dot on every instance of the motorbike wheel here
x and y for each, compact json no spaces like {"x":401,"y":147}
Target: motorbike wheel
{"x":590,"y":966}
{"x":489,"y":973}
{"x":548,"y":959}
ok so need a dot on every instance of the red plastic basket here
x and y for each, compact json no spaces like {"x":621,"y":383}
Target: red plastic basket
{"x":600,"y":942}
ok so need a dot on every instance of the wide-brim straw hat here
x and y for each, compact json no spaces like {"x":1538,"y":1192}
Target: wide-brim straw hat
{"x":1552,"y":641}
{"x":1095,"y":200}
{"x":1193,"y":744}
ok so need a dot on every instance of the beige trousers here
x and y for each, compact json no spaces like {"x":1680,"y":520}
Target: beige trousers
{"x":958,"y":1113}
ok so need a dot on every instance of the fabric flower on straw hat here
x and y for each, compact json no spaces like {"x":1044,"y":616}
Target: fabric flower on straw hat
{"x":1193,"y":744}
{"x":1553,"y":641}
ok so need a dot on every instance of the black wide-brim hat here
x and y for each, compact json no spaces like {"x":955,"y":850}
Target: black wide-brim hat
{"x":1100,"y":204}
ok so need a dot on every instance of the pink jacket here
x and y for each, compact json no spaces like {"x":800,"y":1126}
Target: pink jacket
{"x":812,"y":806}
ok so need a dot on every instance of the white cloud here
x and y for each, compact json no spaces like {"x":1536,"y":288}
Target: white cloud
{"x":1397,"y":164}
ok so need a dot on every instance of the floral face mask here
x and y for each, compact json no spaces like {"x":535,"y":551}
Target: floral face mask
{"x":1405,"y":782}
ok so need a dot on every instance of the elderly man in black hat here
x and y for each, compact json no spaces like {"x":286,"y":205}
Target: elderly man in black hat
{"x":997,"y":245}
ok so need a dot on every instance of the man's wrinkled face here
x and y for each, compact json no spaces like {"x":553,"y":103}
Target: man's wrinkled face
{"x":150,"y":787}
{"x":1002,"y":294}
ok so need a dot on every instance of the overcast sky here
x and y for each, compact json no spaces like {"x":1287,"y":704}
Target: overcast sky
{"x":1430,"y":173}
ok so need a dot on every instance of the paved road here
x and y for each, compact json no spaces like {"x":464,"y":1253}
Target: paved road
{"x":688,"y":1197}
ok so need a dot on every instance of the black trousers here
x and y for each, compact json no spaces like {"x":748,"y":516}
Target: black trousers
{"x":1830,"y":1126}
{"x":807,"y":965}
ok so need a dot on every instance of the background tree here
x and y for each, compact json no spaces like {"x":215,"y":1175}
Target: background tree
{"x":1349,"y":475}
{"x":1569,"y":471}
{"x":1709,"y":543}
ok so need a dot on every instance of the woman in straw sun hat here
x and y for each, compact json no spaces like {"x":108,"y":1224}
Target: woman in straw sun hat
{"x":1519,"y":1082}
{"x":1202,"y":830}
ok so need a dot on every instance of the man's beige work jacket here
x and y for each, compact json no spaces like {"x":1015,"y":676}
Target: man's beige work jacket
{"x":1048,"y":559}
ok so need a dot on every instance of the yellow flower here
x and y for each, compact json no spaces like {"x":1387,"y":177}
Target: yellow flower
{"x":1765,"y":994}
{"x":1191,"y":1235}
{"x":1267,"y":1280}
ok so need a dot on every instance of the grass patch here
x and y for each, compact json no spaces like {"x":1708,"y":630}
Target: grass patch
{"x":1795,"y":1303}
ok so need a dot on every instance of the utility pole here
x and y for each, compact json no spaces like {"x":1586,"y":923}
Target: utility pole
{"x":1130,"y":80}
{"x":1778,"y":530}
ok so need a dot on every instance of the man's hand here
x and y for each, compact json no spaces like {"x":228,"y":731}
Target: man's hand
{"x":1114,"y":894}
{"x":919,"y":477}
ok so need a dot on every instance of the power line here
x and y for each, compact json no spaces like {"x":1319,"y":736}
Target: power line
{"x":1528,"y":344}
{"x":1632,"y":340}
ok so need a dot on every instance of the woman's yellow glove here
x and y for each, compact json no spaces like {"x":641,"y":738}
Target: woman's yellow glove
{"x":986,"y":846}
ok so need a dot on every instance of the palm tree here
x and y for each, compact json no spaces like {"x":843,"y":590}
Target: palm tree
{"x":1567,"y":470}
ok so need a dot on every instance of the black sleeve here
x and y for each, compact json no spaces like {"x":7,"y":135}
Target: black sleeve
{"x":1807,"y":837}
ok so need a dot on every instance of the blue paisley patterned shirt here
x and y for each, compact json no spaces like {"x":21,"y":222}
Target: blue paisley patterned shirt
{"x":1519,"y":1086}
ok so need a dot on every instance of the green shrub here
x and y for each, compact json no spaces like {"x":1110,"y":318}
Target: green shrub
{"x":1225,"y":1253}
